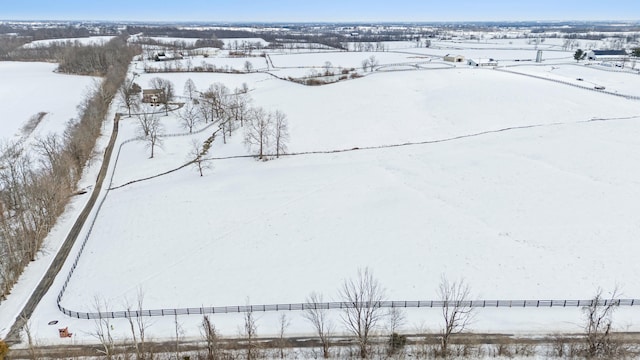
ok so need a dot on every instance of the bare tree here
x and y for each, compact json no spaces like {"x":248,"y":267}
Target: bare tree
{"x":216,"y":96}
{"x":280,"y":132}
{"x":189,"y":116}
{"x":456,"y":310}
{"x":128,"y":94}
{"x":197,"y":153}
{"x":31,"y":345}
{"x":282,"y":340}
{"x":364,"y":297}
{"x":178,"y":332}
{"x":258,"y":130}
{"x":395,"y":320}
{"x":189,"y":89}
{"x":248,"y":66}
{"x":205,"y":110}
{"x":317,"y":316}
{"x":365,"y":64}
{"x":239,"y":105}
{"x":138,"y":326}
{"x":598,"y":321}
{"x":210,"y":335}
{"x":154,"y":138}
{"x":144,"y":121}
{"x":102,"y":330}
{"x":250,"y":333}
{"x":371,"y":62}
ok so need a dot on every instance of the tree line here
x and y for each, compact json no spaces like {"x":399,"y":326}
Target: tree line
{"x":363,"y":330}
{"x":36,"y":184}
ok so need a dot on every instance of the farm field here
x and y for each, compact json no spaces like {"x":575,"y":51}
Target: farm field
{"x":525,"y":188}
{"x":26,"y":90}
{"x":514,"y":189}
{"x":91,"y":40}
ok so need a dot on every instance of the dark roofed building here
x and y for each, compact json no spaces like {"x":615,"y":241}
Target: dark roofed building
{"x":606,"y":54}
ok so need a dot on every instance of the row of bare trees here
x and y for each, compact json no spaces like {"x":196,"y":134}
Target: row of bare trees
{"x":366,"y":323}
{"x":362,"y":318}
{"x":37,"y":183}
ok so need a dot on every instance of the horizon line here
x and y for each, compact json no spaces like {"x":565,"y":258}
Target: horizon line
{"x":243,"y":22}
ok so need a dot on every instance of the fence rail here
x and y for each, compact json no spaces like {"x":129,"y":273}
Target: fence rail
{"x":590,"y":88}
{"x":345,"y":305}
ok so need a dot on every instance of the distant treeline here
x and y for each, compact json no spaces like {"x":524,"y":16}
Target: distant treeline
{"x":58,"y":31}
{"x":276,"y":38}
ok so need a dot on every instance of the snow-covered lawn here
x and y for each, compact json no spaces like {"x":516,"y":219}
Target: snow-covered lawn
{"x":28,"y":88}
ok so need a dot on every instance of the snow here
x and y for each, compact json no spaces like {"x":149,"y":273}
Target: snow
{"x":513,"y":188}
{"x":29,"y":88}
{"x":251,"y":224}
{"x":91,"y":40}
{"x":589,"y":75}
{"x":222,"y":62}
{"x":172,"y":40}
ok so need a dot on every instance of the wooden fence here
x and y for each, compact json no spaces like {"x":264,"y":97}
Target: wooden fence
{"x":344,"y":305}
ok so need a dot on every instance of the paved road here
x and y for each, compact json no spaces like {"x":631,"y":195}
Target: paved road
{"x":13,"y":337}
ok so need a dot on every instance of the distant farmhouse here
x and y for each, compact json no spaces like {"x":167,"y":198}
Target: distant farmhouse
{"x":482,"y":62}
{"x":163,"y":56}
{"x":607,"y":55}
{"x":454,"y":58}
{"x":152,"y":96}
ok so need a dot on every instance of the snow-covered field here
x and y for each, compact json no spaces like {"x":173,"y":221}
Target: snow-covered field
{"x":221,"y":62}
{"x":28,"y":88}
{"x":590,"y":75}
{"x":91,"y":40}
{"x":234,"y":43}
{"x":515,"y":190}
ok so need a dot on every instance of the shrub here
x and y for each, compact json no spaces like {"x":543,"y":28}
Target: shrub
{"x":396,"y":342}
{"x":315,"y":82}
{"x":4,"y":349}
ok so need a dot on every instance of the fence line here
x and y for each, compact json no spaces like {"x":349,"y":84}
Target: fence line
{"x":329,"y":305}
{"x":346,"y":305}
{"x":630,"y":97}
{"x":99,"y":208}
